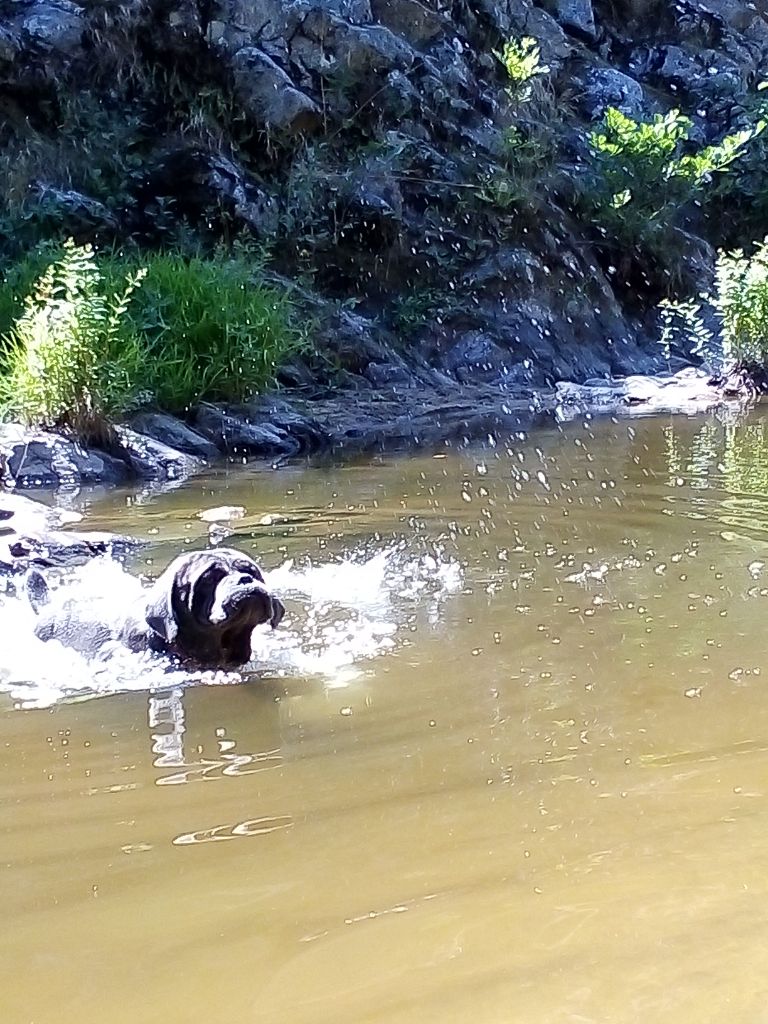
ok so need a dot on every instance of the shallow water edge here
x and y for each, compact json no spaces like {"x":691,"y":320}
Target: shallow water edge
{"x":430,"y":414}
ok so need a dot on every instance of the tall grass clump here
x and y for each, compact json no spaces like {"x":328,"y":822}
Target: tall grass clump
{"x":211,"y":328}
{"x":70,"y":359}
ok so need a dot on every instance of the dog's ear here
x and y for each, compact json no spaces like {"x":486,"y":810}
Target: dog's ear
{"x":165,"y":600}
{"x":278,"y":611}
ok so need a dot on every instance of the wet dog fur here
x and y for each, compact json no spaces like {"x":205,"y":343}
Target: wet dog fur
{"x":201,"y":610}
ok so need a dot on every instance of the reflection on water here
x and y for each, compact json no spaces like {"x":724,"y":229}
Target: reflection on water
{"x":507,"y":760}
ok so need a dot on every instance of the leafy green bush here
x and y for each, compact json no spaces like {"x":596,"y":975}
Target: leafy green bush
{"x":70,"y":358}
{"x":740,"y":302}
{"x":522,"y":62}
{"x":87,"y":343}
{"x":742,"y":305}
{"x":682,"y":322}
{"x":641,"y":179}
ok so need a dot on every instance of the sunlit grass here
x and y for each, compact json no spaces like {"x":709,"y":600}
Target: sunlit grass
{"x":87,"y":338}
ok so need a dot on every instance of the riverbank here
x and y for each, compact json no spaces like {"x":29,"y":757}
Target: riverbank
{"x":488,"y":192}
{"x":430,"y":411}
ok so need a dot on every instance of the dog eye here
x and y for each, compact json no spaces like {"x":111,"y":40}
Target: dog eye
{"x":245,"y":580}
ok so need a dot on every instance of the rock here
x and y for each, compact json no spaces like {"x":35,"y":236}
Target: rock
{"x":476,"y":357}
{"x":79,"y":214}
{"x":10,"y":45}
{"x":688,"y":391}
{"x":303,"y":428}
{"x":55,"y":25}
{"x":269,"y":97}
{"x":574,"y":14}
{"x":326,"y":43}
{"x":40,"y":459}
{"x":639,"y":10}
{"x":556,"y":47}
{"x":366,"y":425}
{"x":233,"y":434}
{"x":269,"y":24}
{"x":411,"y":19}
{"x":607,"y":87}
{"x":703,"y":74}
{"x":352,"y":341}
{"x":174,"y":432}
{"x":32,"y":535}
{"x":150,"y":459}
{"x":201,"y":182}
{"x":368,"y":199}
{"x":383,"y":375}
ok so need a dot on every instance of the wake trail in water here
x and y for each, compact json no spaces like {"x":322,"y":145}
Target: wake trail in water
{"x":340,"y":613}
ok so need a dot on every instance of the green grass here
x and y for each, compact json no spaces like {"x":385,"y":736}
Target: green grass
{"x":212,"y":331}
{"x":86,"y":337}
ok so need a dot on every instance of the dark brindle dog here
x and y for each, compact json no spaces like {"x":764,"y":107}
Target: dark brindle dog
{"x":202,"y":609}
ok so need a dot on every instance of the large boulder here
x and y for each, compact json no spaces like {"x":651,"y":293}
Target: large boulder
{"x":173,"y":432}
{"x":32,"y":459}
{"x":327,"y":44}
{"x":268,"y":96}
{"x":53,"y":26}
{"x":36,"y":458}
{"x":234,"y":434}
{"x":576,"y":15}
{"x":607,"y":87}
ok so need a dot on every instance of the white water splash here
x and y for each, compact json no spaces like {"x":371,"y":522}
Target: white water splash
{"x":339,"y":614}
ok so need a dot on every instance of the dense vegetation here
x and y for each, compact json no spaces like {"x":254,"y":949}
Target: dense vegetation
{"x":188,"y":211}
{"x":97,"y":336}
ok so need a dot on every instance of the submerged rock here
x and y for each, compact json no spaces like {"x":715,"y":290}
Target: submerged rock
{"x":32,"y":535}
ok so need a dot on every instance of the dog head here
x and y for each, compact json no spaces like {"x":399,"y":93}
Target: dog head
{"x":206,"y":604}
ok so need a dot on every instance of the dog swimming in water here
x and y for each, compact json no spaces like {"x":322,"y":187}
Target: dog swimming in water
{"x":201,"y":610}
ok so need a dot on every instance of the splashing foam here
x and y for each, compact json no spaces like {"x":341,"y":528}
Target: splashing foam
{"x":340,"y":613}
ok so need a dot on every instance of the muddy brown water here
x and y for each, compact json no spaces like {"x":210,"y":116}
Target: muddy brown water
{"x":545,"y":799}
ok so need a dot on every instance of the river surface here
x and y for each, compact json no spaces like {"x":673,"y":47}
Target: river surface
{"x":506,"y":759}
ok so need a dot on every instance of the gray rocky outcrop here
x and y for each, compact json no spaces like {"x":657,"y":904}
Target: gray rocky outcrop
{"x":394,"y":412}
{"x":40,"y":459}
{"x":268,"y":95}
{"x":174,"y":433}
{"x":36,"y":459}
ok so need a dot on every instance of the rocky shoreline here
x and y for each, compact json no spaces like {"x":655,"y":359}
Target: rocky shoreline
{"x":389,"y":418}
